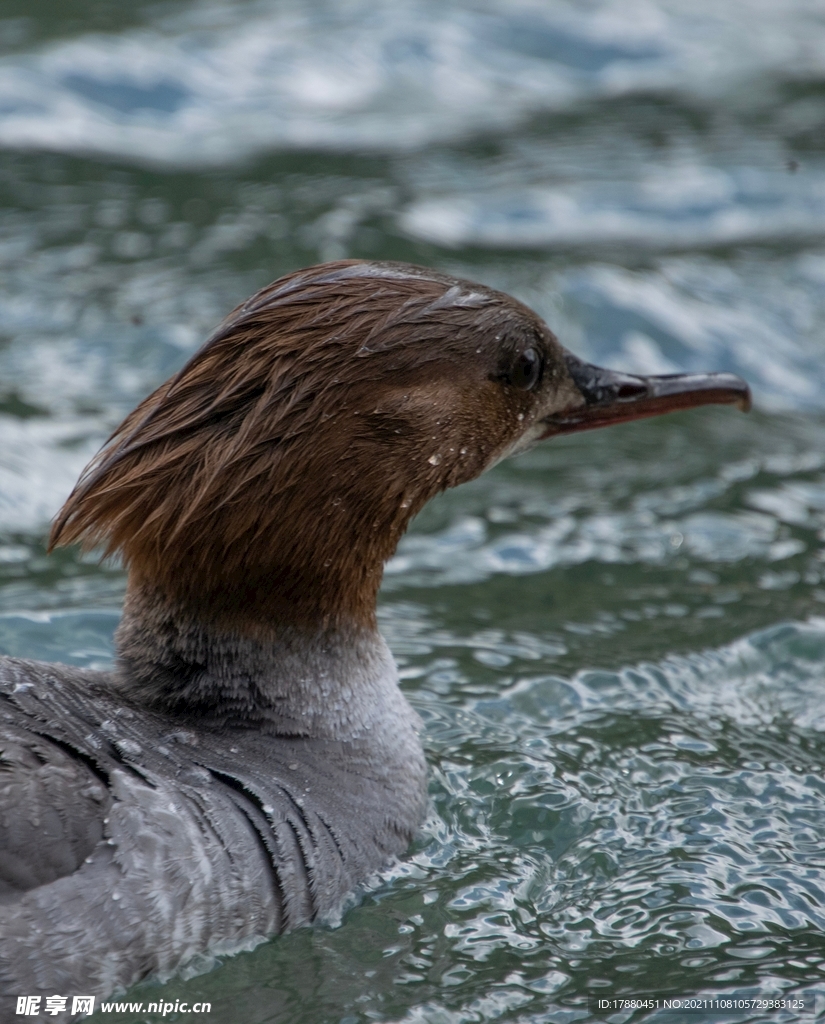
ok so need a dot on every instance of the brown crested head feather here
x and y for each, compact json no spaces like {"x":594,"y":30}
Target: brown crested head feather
{"x":275,"y":473}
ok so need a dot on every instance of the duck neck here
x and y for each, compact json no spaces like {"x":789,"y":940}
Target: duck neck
{"x":333,"y":682}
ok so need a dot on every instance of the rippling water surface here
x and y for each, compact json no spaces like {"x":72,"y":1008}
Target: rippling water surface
{"x":617,"y":642}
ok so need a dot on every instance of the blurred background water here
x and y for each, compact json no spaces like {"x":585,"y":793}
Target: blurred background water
{"x":617,"y":642}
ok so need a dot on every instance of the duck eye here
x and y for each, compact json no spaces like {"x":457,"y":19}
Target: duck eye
{"x":526,"y":370}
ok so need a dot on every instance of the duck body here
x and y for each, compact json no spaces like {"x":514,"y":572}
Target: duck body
{"x":141,"y":841}
{"x":250,"y":760}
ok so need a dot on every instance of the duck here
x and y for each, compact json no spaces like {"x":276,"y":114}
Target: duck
{"x":250,"y":761}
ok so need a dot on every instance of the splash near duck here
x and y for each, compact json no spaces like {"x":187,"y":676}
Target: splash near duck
{"x":250,"y":760}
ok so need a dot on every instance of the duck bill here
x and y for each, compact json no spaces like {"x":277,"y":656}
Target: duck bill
{"x":612,"y":397}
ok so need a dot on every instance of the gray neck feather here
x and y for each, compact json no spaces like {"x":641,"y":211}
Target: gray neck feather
{"x":326,"y":684}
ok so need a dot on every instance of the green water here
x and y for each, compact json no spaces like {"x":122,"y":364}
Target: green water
{"x":616,"y":642}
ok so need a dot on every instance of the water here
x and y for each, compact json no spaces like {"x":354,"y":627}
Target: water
{"x":617,"y":642}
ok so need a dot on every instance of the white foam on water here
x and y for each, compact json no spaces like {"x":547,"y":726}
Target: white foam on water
{"x":218,"y":84}
{"x":40,"y":460}
{"x":702,"y":317}
{"x":677,"y":207}
{"x":466,"y":553}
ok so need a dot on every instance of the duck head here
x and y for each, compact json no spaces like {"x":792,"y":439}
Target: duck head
{"x":270,"y":479}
